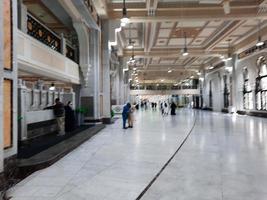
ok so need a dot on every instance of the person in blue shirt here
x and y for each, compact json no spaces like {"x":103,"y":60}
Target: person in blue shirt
{"x":125,"y":113}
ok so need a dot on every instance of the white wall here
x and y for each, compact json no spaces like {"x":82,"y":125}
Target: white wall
{"x":35,"y":57}
{"x":216,"y":77}
{"x":250,"y":63}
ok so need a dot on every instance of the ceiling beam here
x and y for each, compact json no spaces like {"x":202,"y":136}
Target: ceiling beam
{"x":201,"y":15}
{"x":167,"y":53}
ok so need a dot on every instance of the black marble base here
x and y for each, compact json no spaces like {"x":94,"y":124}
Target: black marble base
{"x":54,"y":153}
{"x":107,"y":120}
{"x":207,"y":108}
{"x":225,"y":110}
{"x":253,"y":113}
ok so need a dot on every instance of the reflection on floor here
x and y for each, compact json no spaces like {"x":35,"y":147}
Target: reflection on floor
{"x":225,"y":157}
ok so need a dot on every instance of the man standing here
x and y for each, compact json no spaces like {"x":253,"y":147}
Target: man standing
{"x":59,"y":113}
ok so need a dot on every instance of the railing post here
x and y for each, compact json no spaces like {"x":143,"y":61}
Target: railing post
{"x":63,"y":44}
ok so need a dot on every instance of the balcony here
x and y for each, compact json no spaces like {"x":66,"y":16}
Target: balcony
{"x":38,"y":58}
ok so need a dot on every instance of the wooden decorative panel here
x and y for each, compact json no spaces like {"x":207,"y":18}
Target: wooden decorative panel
{"x":7,"y":35}
{"x":7,"y":113}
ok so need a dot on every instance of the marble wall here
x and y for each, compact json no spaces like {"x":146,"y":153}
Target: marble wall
{"x":215,"y":78}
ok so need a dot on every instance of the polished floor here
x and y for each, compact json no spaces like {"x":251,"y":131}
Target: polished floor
{"x":224,"y":158}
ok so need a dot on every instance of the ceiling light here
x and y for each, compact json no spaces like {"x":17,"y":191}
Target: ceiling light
{"x":229,"y":69}
{"x":185,"y":52}
{"x":157,"y":84}
{"x":134,"y":68}
{"x":52,"y":87}
{"x":198,"y":73}
{"x":123,"y":24}
{"x":201,"y":79}
{"x":130,"y":46}
{"x":192,"y":77}
{"x":161,"y":80}
{"x":170,"y":71}
{"x":259,"y":43}
{"x":211,"y":67}
{"x":222,"y":57}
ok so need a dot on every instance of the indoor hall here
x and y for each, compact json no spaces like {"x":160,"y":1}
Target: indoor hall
{"x":220,"y":156}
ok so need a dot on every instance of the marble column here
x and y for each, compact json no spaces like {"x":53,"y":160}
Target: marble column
{"x":234,"y":85}
{"x":106,"y":73}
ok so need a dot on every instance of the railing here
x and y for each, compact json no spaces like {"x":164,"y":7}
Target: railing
{"x":45,"y":35}
{"x":163,"y":87}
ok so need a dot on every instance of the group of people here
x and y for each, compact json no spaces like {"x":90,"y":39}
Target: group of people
{"x":154,"y":105}
{"x":127,"y":114}
{"x":165,"y":108}
{"x":65,"y":116}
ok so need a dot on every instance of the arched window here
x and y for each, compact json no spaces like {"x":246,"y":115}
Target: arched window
{"x":247,"y":91}
{"x":261,"y":84}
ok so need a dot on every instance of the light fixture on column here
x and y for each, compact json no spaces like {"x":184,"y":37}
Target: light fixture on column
{"x":124,"y":19}
{"x":259,"y":42}
{"x":185,"y":52}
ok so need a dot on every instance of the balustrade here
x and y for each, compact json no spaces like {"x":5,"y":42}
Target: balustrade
{"x":43,"y":34}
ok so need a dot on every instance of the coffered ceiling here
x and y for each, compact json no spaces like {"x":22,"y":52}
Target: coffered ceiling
{"x":212,"y":28}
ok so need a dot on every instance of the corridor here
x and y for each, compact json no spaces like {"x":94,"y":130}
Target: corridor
{"x":224,"y":157}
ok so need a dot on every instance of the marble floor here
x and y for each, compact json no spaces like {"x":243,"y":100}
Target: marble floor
{"x":224,"y":158}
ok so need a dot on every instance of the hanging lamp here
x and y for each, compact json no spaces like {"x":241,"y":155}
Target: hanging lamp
{"x":185,"y":52}
{"x":259,"y":42}
{"x":124,"y":19}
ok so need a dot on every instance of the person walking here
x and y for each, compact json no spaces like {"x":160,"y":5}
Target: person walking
{"x":125,"y":113}
{"x":166,"y":109}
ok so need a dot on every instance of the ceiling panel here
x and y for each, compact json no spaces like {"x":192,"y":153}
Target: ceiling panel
{"x":241,"y":31}
{"x":161,"y":42}
{"x":191,"y":24}
{"x":133,"y":33}
{"x":167,"y":61}
{"x":215,"y":23}
{"x":198,"y":41}
{"x":164,"y":33}
{"x":167,"y":25}
{"x":179,"y":41}
{"x":206,"y":32}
